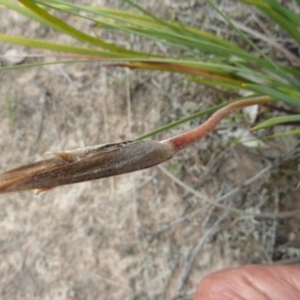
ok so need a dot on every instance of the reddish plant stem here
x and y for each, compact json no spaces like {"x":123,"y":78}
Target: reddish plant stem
{"x":183,"y":140}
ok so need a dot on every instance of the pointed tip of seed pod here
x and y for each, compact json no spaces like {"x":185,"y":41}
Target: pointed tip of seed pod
{"x":39,"y":191}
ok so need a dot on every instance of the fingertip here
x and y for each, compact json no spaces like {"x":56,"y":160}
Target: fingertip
{"x":251,"y":281}
{"x":214,"y":286}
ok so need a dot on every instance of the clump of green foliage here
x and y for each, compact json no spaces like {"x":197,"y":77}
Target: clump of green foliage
{"x":206,"y":58}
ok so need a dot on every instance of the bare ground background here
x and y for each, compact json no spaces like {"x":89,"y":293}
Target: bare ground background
{"x":150,"y":234}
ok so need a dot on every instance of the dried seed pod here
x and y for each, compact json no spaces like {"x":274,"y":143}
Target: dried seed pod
{"x":111,"y":159}
{"x":85,"y":164}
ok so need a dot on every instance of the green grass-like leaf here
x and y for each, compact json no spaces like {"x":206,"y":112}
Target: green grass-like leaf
{"x":41,"y":44}
{"x":277,"y":120}
{"x":64,"y":27}
{"x":273,"y":93}
{"x":204,"y":57}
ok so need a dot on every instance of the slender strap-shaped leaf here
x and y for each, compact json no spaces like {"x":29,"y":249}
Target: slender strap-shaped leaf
{"x":41,"y":44}
{"x":173,"y":33}
{"x":24,"y":11}
{"x":208,"y":70}
{"x":287,"y":13}
{"x":138,"y":24}
{"x":64,"y":27}
{"x":214,"y":83}
{"x":279,"y":14}
{"x":266,"y":61}
{"x":276,"y":121}
{"x":40,"y":64}
{"x":263,"y":90}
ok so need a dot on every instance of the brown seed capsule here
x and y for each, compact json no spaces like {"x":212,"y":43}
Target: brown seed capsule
{"x":85,"y":164}
{"x":111,"y":159}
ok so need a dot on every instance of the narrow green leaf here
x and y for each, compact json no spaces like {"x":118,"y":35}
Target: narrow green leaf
{"x":24,"y":11}
{"x":277,"y":16}
{"x":41,"y":44}
{"x":276,"y":121}
{"x":64,"y":27}
{"x":285,"y":12}
{"x":40,"y":64}
{"x":266,"y":61}
{"x":173,"y":33}
{"x":263,"y":90}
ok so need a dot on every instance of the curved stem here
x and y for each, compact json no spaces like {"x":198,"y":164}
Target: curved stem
{"x":185,"y":139}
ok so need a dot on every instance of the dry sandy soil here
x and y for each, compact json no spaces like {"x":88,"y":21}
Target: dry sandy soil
{"x":146,"y":235}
